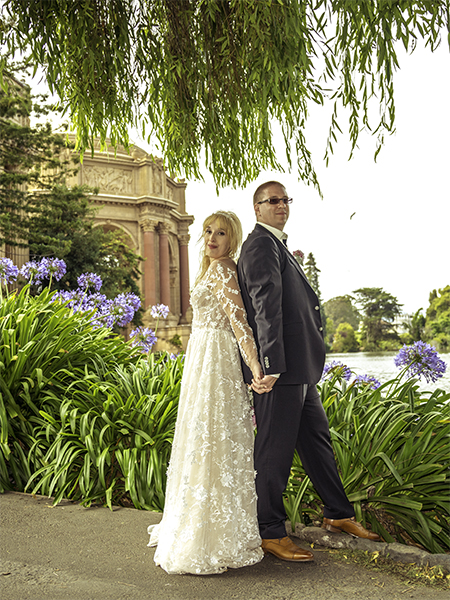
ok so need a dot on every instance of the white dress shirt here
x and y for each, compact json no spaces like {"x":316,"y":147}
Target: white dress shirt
{"x":276,"y":232}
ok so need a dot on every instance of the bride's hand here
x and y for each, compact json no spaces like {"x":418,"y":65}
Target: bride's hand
{"x":257,"y":371}
{"x":264,"y":385}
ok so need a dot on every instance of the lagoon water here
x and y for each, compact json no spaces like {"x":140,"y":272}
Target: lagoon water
{"x":381,"y":365}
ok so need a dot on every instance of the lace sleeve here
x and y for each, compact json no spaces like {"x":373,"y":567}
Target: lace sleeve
{"x":226,"y":288}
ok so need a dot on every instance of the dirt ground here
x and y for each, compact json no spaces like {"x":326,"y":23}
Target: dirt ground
{"x":69,"y":552}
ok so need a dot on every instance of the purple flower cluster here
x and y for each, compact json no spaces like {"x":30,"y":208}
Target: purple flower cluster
{"x":118,"y":311}
{"x":77,"y":300}
{"x":105,"y":312}
{"x":88,"y":280}
{"x":366,"y":380}
{"x":159,"y":311}
{"x":421,"y":359}
{"x":336,"y":367}
{"x":8,"y":271}
{"x":29,"y":271}
{"x":52,"y":267}
{"x":47,"y":268}
{"x":143,"y":337}
{"x":74,"y":299}
{"x":134,"y":300}
{"x":173,"y":356}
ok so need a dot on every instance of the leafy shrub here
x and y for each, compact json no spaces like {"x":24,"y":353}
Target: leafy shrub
{"x":85,"y":416}
{"x":45,"y":349}
{"x":391,"y":446}
{"x":109,"y":438}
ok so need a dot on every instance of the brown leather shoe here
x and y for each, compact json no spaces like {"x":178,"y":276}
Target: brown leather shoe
{"x":285,"y":549}
{"x":351,"y":526}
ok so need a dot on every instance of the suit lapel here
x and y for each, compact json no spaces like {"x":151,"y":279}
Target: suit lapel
{"x":297,"y":266}
{"x":284,"y":248}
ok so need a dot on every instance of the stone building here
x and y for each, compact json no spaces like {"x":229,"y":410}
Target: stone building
{"x":136,"y":195}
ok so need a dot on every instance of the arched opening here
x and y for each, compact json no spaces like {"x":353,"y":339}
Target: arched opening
{"x":124,"y":234}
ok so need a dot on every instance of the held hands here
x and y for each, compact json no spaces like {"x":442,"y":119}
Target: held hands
{"x":261,"y":384}
{"x":257,"y":373}
{"x":264,"y":384}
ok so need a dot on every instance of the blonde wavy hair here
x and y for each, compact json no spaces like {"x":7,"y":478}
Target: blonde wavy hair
{"x":230,"y":223}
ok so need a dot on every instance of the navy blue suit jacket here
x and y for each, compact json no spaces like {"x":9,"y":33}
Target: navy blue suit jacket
{"x":282,"y":309}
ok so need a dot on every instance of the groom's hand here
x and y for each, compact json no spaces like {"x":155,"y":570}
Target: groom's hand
{"x":264,"y":385}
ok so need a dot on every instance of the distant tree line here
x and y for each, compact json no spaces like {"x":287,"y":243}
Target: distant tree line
{"x":368,"y":319}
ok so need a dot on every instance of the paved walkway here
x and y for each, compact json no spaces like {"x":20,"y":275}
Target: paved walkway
{"x":71,"y":553}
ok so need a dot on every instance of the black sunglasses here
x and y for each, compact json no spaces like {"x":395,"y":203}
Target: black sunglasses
{"x":276,"y":201}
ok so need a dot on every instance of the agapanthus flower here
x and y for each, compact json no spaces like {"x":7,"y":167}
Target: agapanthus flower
{"x":79,"y":301}
{"x":421,"y":359}
{"x":89,"y":280}
{"x":8,"y":271}
{"x":107,"y":315}
{"x":30,"y":272}
{"x":368,"y":380}
{"x":92,"y":301}
{"x":51,"y":268}
{"x":66,"y":296}
{"x":330,"y":368}
{"x":133,"y":300}
{"x":144,"y":337}
{"x":159,"y":311}
{"x":118,"y":311}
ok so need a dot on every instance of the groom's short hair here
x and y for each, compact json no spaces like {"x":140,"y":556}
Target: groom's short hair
{"x":260,"y":189}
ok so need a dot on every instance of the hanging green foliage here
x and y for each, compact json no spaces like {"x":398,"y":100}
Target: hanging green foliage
{"x":209,"y":79}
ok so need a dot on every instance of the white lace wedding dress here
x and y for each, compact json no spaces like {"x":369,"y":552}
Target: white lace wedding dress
{"x":209,"y":521}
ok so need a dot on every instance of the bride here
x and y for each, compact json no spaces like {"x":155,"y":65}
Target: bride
{"x":209,"y":522}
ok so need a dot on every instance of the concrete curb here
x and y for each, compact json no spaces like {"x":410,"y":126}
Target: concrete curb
{"x":394,"y":551}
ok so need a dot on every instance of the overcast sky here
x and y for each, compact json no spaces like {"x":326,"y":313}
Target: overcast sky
{"x":399,"y":236}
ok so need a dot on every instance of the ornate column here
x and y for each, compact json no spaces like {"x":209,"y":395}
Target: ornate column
{"x":148,"y":227}
{"x":164,"y":264}
{"x":183,"y":241}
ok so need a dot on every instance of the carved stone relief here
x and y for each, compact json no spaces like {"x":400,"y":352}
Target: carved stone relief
{"x":183,"y":239}
{"x":108,"y":179}
{"x":174,"y":277}
{"x":148,"y":224}
{"x":159,"y":176}
{"x":163,"y":228}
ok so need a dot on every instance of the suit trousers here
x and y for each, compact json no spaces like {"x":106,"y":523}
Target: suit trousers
{"x":292,"y":417}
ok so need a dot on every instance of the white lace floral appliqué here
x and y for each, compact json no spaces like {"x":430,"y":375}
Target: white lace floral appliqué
{"x":209,"y":520}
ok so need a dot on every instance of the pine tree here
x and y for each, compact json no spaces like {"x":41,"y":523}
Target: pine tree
{"x":40,"y":213}
{"x":30,"y":161}
{"x":379,"y":309}
{"x":312,"y":273}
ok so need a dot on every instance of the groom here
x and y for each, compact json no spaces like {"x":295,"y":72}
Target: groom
{"x":284,"y":314}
